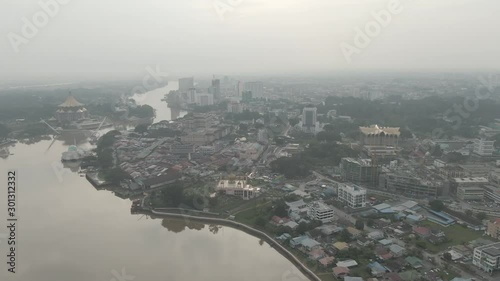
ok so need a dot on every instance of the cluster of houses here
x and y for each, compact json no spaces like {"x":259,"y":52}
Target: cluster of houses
{"x":390,"y":258}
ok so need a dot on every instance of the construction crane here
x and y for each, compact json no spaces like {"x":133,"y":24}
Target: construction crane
{"x":52,"y":128}
{"x":95,"y":134}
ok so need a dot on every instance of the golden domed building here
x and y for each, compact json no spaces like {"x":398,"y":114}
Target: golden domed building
{"x":71,"y":110}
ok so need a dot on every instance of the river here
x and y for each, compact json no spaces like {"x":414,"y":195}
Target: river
{"x":67,"y":230}
{"x":154,"y":99}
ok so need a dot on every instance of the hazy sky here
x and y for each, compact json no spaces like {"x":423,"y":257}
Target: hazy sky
{"x":117,"y":37}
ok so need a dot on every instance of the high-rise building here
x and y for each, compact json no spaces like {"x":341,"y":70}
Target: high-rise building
{"x":191,"y":95}
{"x":234,"y":107}
{"x":487,"y":257}
{"x":359,"y":171}
{"x":247,"y":96}
{"x":483,"y":147}
{"x":204,"y":99}
{"x":410,"y":185}
{"x":239,"y":89}
{"x":309,"y":123}
{"x":256,"y":87}
{"x":215,"y":89}
{"x":353,"y":195}
{"x":186,"y":83}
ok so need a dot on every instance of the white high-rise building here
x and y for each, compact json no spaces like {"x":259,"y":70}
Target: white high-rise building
{"x":186,"y":83}
{"x":353,"y":195}
{"x":483,"y":147}
{"x":256,"y":87}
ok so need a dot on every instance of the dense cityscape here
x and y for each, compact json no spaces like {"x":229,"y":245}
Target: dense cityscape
{"x":250,"y":140}
{"x":343,"y":194}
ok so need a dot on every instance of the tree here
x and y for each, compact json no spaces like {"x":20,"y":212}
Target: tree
{"x":116,"y":175}
{"x":481,"y":216}
{"x":291,"y":167}
{"x":293,"y":121}
{"x":141,"y":128}
{"x":436,"y":205}
{"x":345,"y":236}
{"x":437,"y":151}
{"x":173,"y":195}
{"x":302,"y":228}
{"x":243,"y":127}
{"x":328,"y":136}
{"x":143,"y":111}
{"x":359,"y":224}
{"x":260,"y":221}
{"x":454,"y":157}
{"x":280,"y":209}
{"x":468,"y":213}
{"x":447,"y":256}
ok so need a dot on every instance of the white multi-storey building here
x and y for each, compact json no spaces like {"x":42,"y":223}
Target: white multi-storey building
{"x":483,"y":147}
{"x":237,"y":187}
{"x":353,"y":195}
{"x":256,"y":87}
{"x":487,"y":257}
{"x":322,"y":212}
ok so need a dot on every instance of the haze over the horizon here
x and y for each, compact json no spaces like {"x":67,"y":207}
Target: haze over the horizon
{"x":116,"y":38}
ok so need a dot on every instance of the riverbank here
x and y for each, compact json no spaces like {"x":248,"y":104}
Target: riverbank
{"x":245,"y":228}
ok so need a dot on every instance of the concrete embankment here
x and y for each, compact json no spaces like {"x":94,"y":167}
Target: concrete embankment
{"x":252,"y":231}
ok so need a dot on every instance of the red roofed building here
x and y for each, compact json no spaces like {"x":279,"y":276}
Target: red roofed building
{"x":340,"y":272}
{"x":422,"y":231}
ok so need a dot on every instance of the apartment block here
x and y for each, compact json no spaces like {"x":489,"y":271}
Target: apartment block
{"x":353,"y":195}
{"x":487,"y":257}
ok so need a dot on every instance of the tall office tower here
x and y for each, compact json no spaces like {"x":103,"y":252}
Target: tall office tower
{"x":191,"y":95}
{"x":239,"y":89}
{"x":256,"y":87}
{"x":186,"y":83}
{"x":309,"y":119}
{"x":215,"y":89}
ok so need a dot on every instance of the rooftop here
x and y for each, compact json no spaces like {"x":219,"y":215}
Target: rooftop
{"x":71,"y":102}
{"x":375,"y":130}
{"x":491,"y":249}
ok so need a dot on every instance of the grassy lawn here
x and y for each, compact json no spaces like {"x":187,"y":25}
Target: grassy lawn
{"x":456,"y":233}
{"x":227,"y":203}
{"x":448,"y":277}
{"x":248,"y":216}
